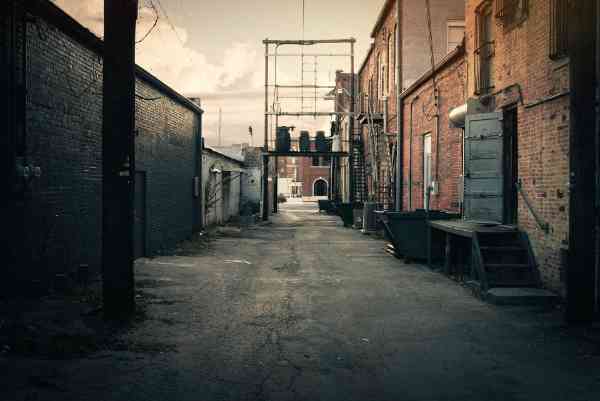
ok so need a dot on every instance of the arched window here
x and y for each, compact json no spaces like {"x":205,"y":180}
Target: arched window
{"x":320,"y":187}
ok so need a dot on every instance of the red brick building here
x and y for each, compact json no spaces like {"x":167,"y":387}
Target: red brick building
{"x":521,"y":71}
{"x":432,"y":149}
{"x":378,"y":77}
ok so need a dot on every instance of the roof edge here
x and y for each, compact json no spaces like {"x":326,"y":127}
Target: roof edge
{"x":445,"y":62}
{"x":54,"y":15}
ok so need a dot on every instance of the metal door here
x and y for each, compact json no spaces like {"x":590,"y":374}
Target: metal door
{"x":139,"y":216}
{"x":483,"y":190}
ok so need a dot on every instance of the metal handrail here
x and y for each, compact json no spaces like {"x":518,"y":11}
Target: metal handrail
{"x":542,"y":224}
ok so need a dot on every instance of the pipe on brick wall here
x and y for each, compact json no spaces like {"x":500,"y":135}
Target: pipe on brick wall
{"x":410,"y":139}
{"x":399,"y":109}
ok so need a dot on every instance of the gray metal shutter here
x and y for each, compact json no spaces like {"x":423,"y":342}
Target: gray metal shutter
{"x":483,"y":193}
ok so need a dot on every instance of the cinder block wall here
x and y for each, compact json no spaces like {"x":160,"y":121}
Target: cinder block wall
{"x":522,"y":57}
{"x":64,"y":138}
{"x":221,"y":187}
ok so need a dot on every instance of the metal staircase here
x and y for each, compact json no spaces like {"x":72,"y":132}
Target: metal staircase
{"x":359,"y":184}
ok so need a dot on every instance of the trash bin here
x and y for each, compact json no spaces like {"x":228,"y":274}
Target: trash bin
{"x":346,"y":212}
{"x":409,"y":231}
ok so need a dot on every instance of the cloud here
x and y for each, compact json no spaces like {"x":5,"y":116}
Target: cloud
{"x":167,"y":54}
{"x":234,"y":83}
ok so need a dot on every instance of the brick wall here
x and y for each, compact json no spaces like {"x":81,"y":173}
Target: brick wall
{"x":450,"y":81}
{"x":64,"y":138}
{"x":522,"y":57}
{"x":416,"y":60}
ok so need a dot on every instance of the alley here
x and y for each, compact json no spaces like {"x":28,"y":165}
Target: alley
{"x":304,"y":309}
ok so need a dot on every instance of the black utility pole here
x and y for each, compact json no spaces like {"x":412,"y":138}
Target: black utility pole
{"x":583,"y":193}
{"x":8,"y":121}
{"x":118,"y":163}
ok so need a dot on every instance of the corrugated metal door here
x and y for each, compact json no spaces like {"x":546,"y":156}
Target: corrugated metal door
{"x":483,"y":191}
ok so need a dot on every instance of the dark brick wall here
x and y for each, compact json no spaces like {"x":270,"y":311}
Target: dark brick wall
{"x":64,"y":138}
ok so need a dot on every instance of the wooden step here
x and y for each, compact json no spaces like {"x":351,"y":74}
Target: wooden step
{"x":503,"y":248}
{"x":511,"y":266}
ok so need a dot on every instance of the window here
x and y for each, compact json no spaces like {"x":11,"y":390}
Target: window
{"x":381,"y":87}
{"x":455,"y":33}
{"x":484,"y":52}
{"x":559,"y":40}
{"x":391,"y":64}
{"x":511,"y":12}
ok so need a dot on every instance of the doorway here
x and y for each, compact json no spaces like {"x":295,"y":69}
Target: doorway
{"x":426,"y":170}
{"x":320,"y":187}
{"x":510,"y":166}
{"x":139,"y":215}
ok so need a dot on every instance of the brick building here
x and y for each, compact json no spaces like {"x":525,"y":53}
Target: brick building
{"x":432,"y":148}
{"x":521,"y":71}
{"x":378,"y":78}
{"x":61,"y":205}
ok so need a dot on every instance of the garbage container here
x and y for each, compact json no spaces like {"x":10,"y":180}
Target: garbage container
{"x":346,"y":212}
{"x":409,"y":231}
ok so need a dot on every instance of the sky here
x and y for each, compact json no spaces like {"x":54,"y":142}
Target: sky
{"x":213,"y":50}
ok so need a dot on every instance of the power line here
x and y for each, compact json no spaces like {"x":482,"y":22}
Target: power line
{"x":170,"y":23}
{"x":153,"y":25}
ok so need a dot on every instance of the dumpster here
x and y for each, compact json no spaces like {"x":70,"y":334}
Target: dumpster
{"x":408,"y":231}
{"x":324,"y":205}
{"x":346,"y":212}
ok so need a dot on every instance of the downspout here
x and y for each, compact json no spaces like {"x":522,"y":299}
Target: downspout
{"x":410,"y":139}
{"x":399,"y":108}
{"x":597,"y":267}
{"x":385,"y":131}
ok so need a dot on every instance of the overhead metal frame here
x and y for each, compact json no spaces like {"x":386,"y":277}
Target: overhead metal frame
{"x":302,"y":86}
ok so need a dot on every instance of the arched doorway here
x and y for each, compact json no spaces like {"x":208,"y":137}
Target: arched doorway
{"x":320,"y":187}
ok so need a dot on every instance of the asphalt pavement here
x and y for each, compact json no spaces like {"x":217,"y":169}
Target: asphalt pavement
{"x":305,"y":309}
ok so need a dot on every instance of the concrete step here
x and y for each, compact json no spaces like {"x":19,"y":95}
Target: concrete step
{"x":520,"y":296}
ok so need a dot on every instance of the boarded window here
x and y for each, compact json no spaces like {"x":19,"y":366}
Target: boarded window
{"x":511,"y":12}
{"x":485,"y":50}
{"x":559,"y":40}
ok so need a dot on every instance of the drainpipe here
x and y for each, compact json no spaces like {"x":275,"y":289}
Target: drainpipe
{"x":399,"y":108}
{"x":385,"y":131}
{"x":410,"y":139}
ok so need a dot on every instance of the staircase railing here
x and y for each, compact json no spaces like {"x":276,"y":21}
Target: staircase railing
{"x":540,"y":222}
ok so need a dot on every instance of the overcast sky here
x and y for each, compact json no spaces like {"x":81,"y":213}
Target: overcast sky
{"x":214,"y":50}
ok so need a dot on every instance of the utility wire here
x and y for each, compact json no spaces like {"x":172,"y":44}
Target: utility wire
{"x":153,"y":25}
{"x":169,"y":22}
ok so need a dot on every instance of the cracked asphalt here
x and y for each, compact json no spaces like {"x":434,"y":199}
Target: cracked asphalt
{"x":304,"y":309}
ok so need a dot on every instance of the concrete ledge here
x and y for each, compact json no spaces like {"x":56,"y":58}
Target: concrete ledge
{"x":520,"y":296}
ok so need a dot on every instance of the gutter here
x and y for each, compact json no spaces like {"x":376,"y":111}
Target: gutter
{"x":399,"y":110}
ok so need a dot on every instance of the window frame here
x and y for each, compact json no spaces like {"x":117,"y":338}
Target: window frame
{"x":558,"y":41}
{"x":453,"y":24}
{"x":509,"y":17}
{"x":484,"y":47}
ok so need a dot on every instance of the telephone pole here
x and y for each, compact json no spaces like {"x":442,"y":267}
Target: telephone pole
{"x":118,"y":161}
{"x":219,"y":131}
